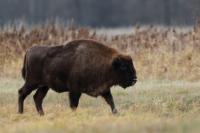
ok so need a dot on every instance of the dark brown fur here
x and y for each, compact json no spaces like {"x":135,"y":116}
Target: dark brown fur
{"x":80,"y":66}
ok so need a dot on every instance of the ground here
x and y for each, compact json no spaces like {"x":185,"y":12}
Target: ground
{"x":149,"y":106}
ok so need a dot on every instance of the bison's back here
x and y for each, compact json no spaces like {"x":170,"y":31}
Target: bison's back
{"x":91,"y":53}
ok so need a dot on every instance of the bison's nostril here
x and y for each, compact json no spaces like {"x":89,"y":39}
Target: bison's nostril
{"x":134,"y":80}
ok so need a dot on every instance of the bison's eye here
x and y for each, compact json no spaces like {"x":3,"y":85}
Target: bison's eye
{"x":120,"y":65}
{"x":123,"y":67}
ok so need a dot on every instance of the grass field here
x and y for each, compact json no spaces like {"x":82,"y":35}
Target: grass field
{"x":150,"y":106}
{"x":166,"y":98}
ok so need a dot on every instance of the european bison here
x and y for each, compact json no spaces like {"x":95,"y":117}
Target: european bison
{"x":80,"y":66}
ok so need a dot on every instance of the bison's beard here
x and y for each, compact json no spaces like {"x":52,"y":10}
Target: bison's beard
{"x":128,"y":83}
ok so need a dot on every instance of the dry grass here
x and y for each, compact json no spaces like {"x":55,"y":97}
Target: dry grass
{"x":150,"y":106}
{"x":158,"y":53}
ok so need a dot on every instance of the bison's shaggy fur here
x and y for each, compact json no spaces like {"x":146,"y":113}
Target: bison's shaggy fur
{"x":80,"y":66}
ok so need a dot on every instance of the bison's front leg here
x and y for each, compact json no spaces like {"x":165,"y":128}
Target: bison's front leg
{"x":109,"y":99}
{"x":74,"y":99}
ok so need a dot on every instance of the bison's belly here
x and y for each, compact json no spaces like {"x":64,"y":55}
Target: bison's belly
{"x":58,"y":86}
{"x":59,"y":89}
{"x":93,"y":94}
{"x":96,"y":91}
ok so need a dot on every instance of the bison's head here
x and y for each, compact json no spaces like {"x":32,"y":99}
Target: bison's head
{"x":125,"y":71}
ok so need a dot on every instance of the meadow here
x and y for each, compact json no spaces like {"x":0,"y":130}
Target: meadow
{"x":165,"y":99}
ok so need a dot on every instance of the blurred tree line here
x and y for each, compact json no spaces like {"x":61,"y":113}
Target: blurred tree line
{"x":109,"y":13}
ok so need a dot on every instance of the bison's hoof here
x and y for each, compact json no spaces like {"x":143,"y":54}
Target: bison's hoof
{"x":20,"y":112}
{"x":41,"y":113}
{"x":73,"y":108}
{"x":114,"y":111}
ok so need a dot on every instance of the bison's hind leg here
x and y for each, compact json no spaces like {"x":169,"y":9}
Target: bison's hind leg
{"x":23,"y":93}
{"x":38,"y":98}
{"x":74,"y":99}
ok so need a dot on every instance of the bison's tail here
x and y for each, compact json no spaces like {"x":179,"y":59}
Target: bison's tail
{"x":24,"y":68}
